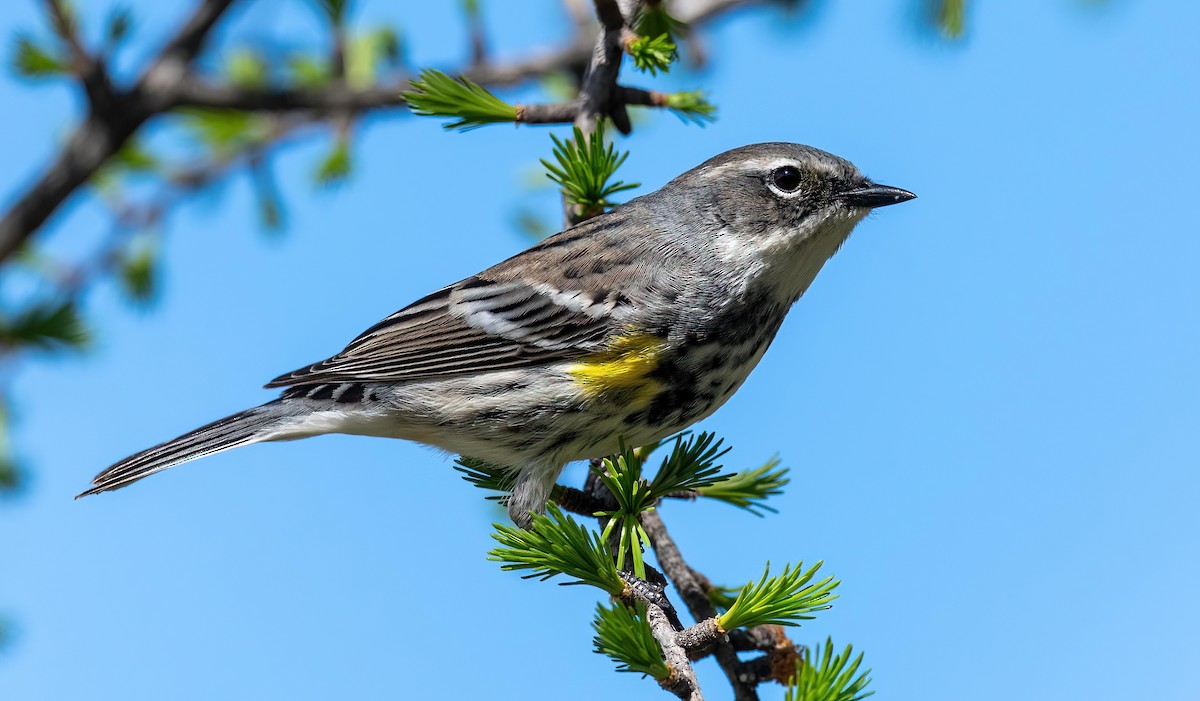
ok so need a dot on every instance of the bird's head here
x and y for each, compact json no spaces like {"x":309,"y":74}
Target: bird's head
{"x":778,"y":196}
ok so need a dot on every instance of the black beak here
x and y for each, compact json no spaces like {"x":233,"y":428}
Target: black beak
{"x":875,"y":196}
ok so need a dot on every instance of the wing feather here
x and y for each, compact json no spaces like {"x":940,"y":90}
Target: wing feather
{"x":539,"y":306}
{"x":472,"y":326}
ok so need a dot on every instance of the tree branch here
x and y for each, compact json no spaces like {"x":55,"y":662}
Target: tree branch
{"x":169,"y":83}
{"x":106,"y":129}
{"x":682,"y":681}
{"x":694,"y":596}
{"x":196,"y":92}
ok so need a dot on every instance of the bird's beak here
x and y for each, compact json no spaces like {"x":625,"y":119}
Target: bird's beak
{"x":875,"y":196}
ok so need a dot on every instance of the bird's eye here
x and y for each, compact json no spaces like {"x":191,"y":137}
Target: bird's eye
{"x":786,"y":178}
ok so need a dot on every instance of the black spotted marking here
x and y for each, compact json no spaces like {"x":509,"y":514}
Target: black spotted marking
{"x":515,"y":385}
{"x":620,"y":299}
{"x":637,"y":417}
{"x":473,"y":282}
{"x":350,"y":394}
{"x":565,"y":439}
{"x":581,"y":232}
{"x":495,"y":414}
{"x":321,"y":392}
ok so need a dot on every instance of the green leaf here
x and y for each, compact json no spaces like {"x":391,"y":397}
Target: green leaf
{"x":583,"y":168}
{"x":654,"y":20}
{"x":784,"y":600}
{"x":622,"y":475}
{"x":559,"y":86}
{"x":722,"y":598}
{"x":31,"y":60}
{"x":335,"y":167}
{"x":749,"y":489}
{"x":10,"y":475}
{"x":487,"y":476}
{"x":625,"y":637}
{"x":436,"y":94}
{"x":690,"y":466}
{"x":951,"y":18}
{"x":556,"y":544}
{"x":335,"y":10}
{"x":224,"y":130}
{"x":530,"y":224}
{"x":138,"y":272}
{"x":131,"y":159}
{"x":653,"y":54}
{"x":309,"y":72}
{"x":246,"y":68}
{"x":692,"y":106}
{"x":118,"y":26}
{"x":367,"y":52}
{"x":822,"y":676}
{"x":47,"y":327}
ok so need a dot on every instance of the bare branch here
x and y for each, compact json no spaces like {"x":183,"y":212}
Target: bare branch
{"x":88,"y":69}
{"x":189,"y":40}
{"x":195,"y":92}
{"x":106,"y":128}
{"x":559,"y":113}
{"x":682,"y":681}
{"x":692,"y":591}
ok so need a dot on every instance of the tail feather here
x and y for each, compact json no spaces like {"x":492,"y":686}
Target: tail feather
{"x":243,"y":428}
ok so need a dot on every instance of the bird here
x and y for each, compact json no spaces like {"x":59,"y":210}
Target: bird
{"x":622,"y":330}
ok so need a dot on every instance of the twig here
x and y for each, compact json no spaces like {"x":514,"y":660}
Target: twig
{"x":107,"y":128}
{"x":694,"y":596}
{"x":682,"y":681}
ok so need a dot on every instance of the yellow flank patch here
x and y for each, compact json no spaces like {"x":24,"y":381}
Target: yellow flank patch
{"x":622,"y":373}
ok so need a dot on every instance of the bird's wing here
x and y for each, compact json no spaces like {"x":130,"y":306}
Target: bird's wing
{"x":561,"y":299}
{"x":475,"y":325}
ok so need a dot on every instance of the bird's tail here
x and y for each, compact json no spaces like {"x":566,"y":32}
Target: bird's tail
{"x":243,"y":428}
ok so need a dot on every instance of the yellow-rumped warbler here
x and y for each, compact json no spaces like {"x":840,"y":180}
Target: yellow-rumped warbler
{"x":632,"y":325}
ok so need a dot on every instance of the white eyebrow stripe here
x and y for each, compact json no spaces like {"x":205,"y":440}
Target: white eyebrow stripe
{"x":761,"y":165}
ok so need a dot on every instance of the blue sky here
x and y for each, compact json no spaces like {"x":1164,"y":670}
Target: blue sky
{"x":989,"y":398}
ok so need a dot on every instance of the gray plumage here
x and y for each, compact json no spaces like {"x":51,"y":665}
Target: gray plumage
{"x":686,"y":285}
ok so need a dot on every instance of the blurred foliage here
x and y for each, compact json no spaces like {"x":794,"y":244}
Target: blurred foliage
{"x":49,"y":326}
{"x":950,"y":17}
{"x":692,"y":106}
{"x":33,"y":60}
{"x":138,"y":270}
{"x":655,"y":20}
{"x":335,"y":167}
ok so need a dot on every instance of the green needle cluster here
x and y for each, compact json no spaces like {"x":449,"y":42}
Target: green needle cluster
{"x":692,"y":106}
{"x":749,"y":489}
{"x":436,"y":94}
{"x":557,"y":544}
{"x":653,"y":54}
{"x":487,"y":476}
{"x":823,"y":676}
{"x":583,"y":167}
{"x":625,"y":637}
{"x":784,"y":600}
